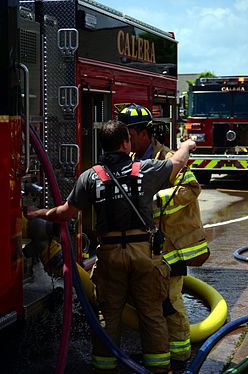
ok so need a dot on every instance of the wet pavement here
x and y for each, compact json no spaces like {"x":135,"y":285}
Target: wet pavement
{"x":32,"y":347}
{"x":226,"y":274}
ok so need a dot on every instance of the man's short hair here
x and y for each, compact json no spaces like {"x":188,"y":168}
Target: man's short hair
{"x":112,"y":135}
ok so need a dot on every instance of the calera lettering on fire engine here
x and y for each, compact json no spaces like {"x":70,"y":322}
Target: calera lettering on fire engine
{"x":135,"y":48}
{"x":233,"y":88}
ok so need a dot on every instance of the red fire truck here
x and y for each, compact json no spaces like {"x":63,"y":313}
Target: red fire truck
{"x":218,"y":122}
{"x":65,"y":67}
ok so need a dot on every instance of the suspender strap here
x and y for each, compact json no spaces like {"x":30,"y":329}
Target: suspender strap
{"x":101,"y":173}
{"x":135,"y":169}
{"x":104,"y":176}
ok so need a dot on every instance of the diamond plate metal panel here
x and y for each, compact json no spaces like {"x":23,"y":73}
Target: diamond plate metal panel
{"x":58,"y":71}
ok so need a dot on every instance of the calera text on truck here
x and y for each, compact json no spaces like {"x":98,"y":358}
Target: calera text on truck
{"x":218,"y":122}
{"x":66,"y":68}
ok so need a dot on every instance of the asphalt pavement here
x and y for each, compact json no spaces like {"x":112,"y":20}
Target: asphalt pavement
{"x":224,"y":215}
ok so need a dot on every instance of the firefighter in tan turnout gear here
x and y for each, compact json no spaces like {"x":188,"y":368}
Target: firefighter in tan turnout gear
{"x":177,"y":213}
{"x":127,"y":263}
{"x":180,"y":222}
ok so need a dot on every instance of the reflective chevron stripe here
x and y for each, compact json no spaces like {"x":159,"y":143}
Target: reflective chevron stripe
{"x":226,"y":164}
{"x":165,"y":195}
{"x":186,"y":253}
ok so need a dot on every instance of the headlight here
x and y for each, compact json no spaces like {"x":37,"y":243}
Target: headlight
{"x":197,"y":137}
{"x":231,"y":135}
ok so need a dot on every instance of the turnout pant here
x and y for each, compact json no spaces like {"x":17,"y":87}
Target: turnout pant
{"x":178,"y":322}
{"x":131,"y":271}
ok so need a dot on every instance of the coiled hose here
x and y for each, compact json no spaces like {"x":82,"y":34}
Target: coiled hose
{"x":70,"y":269}
{"x":210,"y":343}
{"x":238,"y":256}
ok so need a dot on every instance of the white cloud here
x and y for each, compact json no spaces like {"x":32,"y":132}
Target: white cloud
{"x":241,"y":5}
{"x":214,"y":39}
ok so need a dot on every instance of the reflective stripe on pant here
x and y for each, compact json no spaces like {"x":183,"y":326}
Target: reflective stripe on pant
{"x":157,"y":360}
{"x":104,"y":362}
{"x":121,"y":272}
{"x":178,"y":322}
{"x":180,"y":347}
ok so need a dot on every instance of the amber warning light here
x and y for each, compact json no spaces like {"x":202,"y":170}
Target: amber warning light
{"x":193,"y":126}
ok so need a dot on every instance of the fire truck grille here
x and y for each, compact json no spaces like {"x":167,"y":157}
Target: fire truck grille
{"x":229,"y":135}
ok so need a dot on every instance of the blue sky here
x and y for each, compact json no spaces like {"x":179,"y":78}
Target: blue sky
{"x":212,"y":34}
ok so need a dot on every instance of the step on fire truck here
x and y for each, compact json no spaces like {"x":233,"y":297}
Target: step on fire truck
{"x":218,"y":122}
{"x":65,"y":68}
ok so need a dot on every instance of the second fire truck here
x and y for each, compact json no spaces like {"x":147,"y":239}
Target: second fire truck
{"x":218,"y":122}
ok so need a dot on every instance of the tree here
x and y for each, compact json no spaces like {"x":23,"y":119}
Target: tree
{"x":205,"y":74}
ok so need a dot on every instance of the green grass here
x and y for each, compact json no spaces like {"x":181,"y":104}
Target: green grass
{"x":237,"y":345}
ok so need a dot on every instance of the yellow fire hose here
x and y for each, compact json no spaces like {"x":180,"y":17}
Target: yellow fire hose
{"x":198,"y":331}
